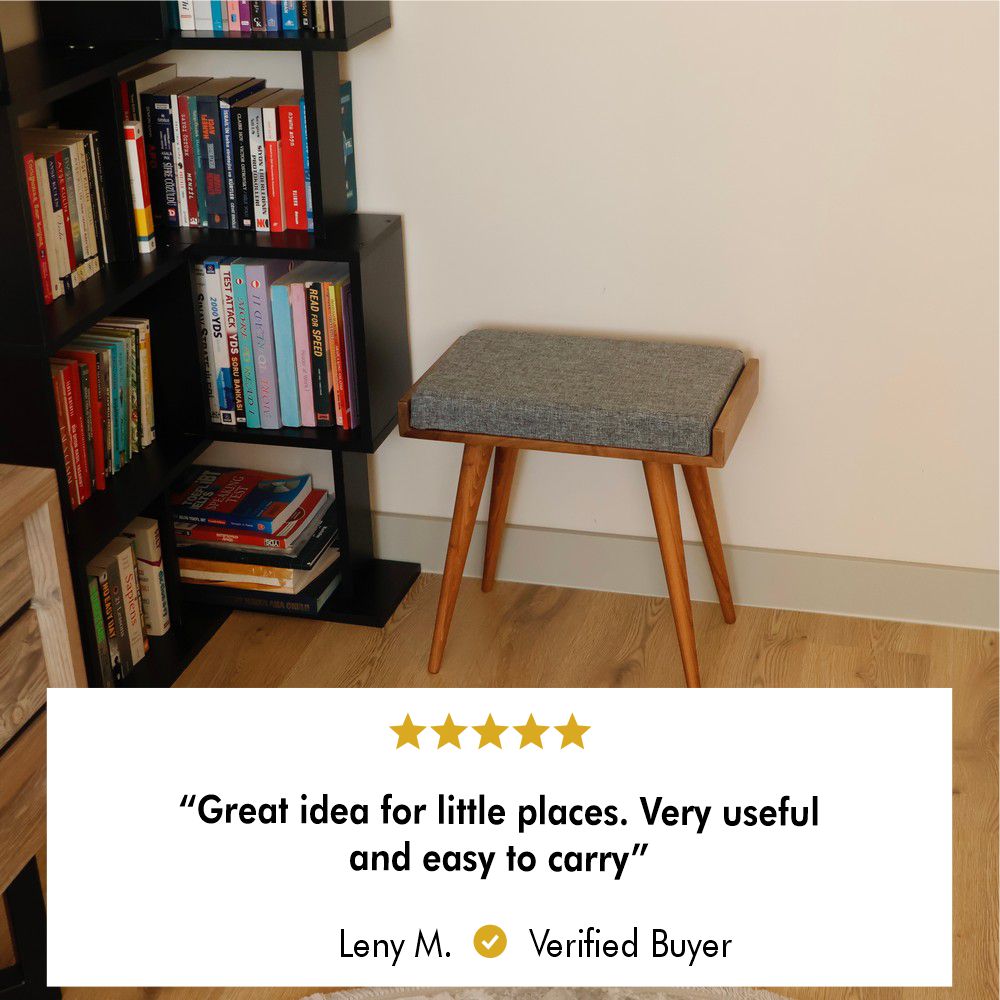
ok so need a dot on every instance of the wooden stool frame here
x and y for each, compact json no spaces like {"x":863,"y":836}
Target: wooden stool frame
{"x":660,"y":482}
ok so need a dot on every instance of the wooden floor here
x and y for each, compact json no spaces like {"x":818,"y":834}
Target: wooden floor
{"x":524,"y":636}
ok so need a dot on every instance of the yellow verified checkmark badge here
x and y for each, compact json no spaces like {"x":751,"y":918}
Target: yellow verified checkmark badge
{"x":490,"y":941}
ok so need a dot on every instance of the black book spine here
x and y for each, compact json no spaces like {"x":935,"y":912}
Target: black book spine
{"x":258,"y":23}
{"x":317,"y":352}
{"x":243,"y":179}
{"x":307,"y":20}
{"x":109,"y":247}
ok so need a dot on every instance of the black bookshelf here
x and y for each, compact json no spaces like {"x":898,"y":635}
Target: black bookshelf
{"x":73,"y":71}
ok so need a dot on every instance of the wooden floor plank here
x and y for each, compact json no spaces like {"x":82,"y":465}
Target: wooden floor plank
{"x":521,"y":635}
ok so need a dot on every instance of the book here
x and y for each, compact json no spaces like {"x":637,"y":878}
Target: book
{"x":135,"y":151}
{"x":106,"y":566}
{"x":138,"y":330}
{"x":260,"y":275}
{"x":272,"y":17}
{"x":303,"y":537}
{"x":88,"y":360}
{"x":39,"y":227}
{"x":289,"y":17}
{"x":134,"y":82}
{"x":118,"y":392}
{"x":273,"y":163}
{"x":199,"y":291}
{"x":336,"y":335}
{"x":100,"y":634}
{"x":221,"y":371}
{"x":250,"y":167}
{"x":284,"y":349}
{"x":56,"y":233}
{"x":347,"y":128}
{"x":307,"y":168}
{"x":248,"y":576}
{"x":288,"y":539}
{"x":293,"y":178}
{"x":309,"y":602}
{"x":203,"y":16}
{"x":241,"y":301}
{"x":72,"y":406}
{"x":232,"y":17}
{"x":60,"y":395}
{"x":303,"y":353}
{"x":232,"y":337}
{"x":258,"y":160}
{"x":186,"y":18}
{"x":144,"y":534}
{"x":238,"y":498}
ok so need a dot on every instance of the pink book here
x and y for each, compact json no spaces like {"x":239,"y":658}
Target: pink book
{"x":303,"y":356}
{"x":233,"y":17}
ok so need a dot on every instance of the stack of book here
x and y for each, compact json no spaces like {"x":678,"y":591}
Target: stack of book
{"x":65,"y":179}
{"x":277,"y":342}
{"x":256,"y":540}
{"x":267,"y":18}
{"x":128,"y":598}
{"x":103,"y":387}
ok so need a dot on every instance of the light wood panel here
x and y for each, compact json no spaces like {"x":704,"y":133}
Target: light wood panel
{"x":22,"y":675}
{"x":15,"y":575}
{"x":22,"y":800}
{"x":521,"y":635}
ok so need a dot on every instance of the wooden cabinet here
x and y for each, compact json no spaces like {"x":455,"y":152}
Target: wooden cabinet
{"x":39,"y":648}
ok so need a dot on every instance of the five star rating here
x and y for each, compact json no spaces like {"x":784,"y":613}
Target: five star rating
{"x":449,"y":734}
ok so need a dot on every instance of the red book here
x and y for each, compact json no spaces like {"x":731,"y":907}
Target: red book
{"x":272,"y":157}
{"x":343,"y":354}
{"x":36,"y":221}
{"x":187,"y":155}
{"x":64,"y":198}
{"x":293,"y":163}
{"x":59,"y":392}
{"x":280,"y":539}
{"x":77,"y":432}
{"x":125,"y":101}
{"x":89,"y":359}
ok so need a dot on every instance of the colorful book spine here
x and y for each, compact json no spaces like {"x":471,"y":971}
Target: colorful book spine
{"x":246,"y":26}
{"x":106,"y":583}
{"x":257,"y":18}
{"x":135,"y":151}
{"x":258,"y":168}
{"x":199,"y":285}
{"x":259,"y":277}
{"x":144,"y":533}
{"x":199,"y":173}
{"x":38,"y":225}
{"x":307,"y":23}
{"x":332,"y":347}
{"x":275,"y":181}
{"x":74,"y":263}
{"x":218,"y":17}
{"x":243,"y":335}
{"x":284,"y":350}
{"x":232,"y":17}
{"x":212,"y":162}
{"x":59,"y":394}
{"x":97,"y":615}
{"x":347,"y":127}
{"x":293,"y":191}
{"x":233,"y":192}
{"x":220,"y":345}
{"x":272,"y":17}
{"x":243,"y":169}
{"x":303,"y":354}
{"x":318,"y":355}
{"x":289,"y":17}
{"x":350,"y":360}
{"x":95,"y":411}
{"x":162,"y":139}
{"x":180,"y":180}
{"x":232,"y":339}
{"x":307,"y":172}
{"x":190,"y":191}
{"x":58,"y":229}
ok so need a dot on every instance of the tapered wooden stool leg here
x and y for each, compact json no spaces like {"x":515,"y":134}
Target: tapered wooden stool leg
{"x":475,"y":464}
{"x":504,"y":462}
{"x":696,"y":477}
{"x":663,"y":499}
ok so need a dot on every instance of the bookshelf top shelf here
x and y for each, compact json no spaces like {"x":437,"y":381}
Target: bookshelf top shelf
{"x":296,"y":43}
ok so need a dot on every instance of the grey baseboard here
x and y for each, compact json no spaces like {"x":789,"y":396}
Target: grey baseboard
{"x":768,"y":578}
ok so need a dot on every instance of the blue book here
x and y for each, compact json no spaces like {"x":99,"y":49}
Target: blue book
{"x":218,"y":17}
{"x":260,"y":275}
{"x":272,"y":17}
{"x":289,"y":16}
{"x":241,"y":301}
{"x":284,"y":351}
{"x":240,"y":499}
{"x":226,"y":102}
{"x":305,"y":161}
{"x":347,"y":127}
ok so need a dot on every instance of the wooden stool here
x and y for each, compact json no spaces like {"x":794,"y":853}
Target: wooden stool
{"x":658,"y":403}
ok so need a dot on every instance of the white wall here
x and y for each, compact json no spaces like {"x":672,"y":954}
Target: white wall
{"x":816,"y":184}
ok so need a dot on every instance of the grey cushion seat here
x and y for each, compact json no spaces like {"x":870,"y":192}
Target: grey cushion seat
{"x":642,"y":394}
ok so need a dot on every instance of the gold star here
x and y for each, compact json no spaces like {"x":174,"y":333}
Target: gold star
{"x":448,"y":733}
{"x":489,"y":732}
{"x":572,"y":732}
{"x":531,"y":732}
{"x":407,"y":732}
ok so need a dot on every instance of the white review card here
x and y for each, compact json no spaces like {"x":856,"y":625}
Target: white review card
{"x":542,"y":837}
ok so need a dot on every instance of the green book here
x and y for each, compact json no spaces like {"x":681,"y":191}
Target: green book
{"x":102,"y":636}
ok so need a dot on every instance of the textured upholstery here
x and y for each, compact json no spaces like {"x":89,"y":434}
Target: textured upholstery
{"x":643,"y":394}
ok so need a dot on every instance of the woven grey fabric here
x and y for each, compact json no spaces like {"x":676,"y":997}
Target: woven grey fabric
{"x":589,"y":390}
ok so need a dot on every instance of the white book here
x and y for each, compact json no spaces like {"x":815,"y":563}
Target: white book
{"x":144,"y":533}
{"x":185,"y":14}
{"x":221,"y":371}
{"x":180,"y":180}
{"x":258,"y":169}
{"x":203,"y":15}
{"x":125,"y":557}
{"x":271,"y":135}
{"x":51,"y":248}
{"x":231,"y":333}
{"x":140,"y":205}
{"x":199,"y":285}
